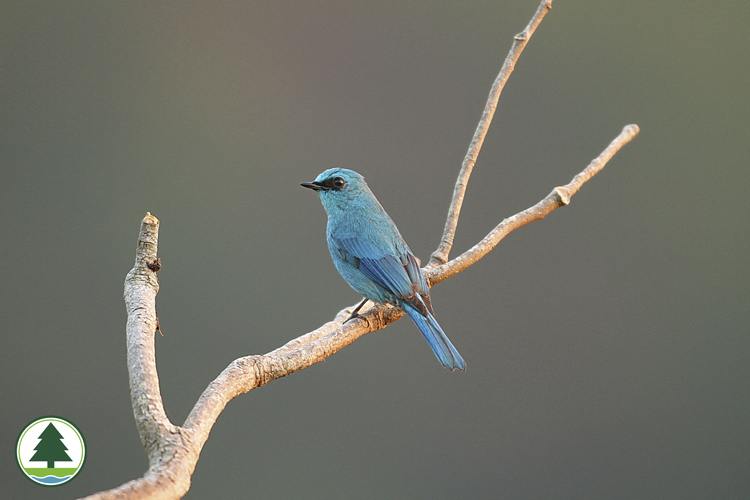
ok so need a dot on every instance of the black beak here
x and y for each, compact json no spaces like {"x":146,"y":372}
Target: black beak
{"x":316,"y":186}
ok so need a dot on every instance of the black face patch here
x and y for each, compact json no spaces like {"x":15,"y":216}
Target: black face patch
{"x":333,"y":183}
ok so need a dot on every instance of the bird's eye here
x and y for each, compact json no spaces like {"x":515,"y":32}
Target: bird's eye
{"x":338,"y":182}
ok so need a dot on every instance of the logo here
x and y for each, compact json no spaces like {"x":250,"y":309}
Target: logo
{"x":50,"y":451}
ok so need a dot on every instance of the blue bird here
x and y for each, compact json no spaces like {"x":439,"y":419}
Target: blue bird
{"x":374,"y":259}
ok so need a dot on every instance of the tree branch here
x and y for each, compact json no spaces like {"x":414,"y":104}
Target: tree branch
{"x":141,"y":287}
{"x":440,"y":256}
{"x":559,"y":197}
{"x":173,"y":451}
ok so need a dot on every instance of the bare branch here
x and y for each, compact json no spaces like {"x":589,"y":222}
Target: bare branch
{"x":440,"y":256}
{"x":560,"y":196}
{"x":247,"y":373}
{"x":173,"y":451}
{"x":167,"y":476}
{"x":141,"y":287}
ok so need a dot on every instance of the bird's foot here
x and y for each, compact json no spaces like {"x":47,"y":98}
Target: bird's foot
{"x":354,"y":313}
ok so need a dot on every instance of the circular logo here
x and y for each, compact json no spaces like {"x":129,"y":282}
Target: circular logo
{"x":50,"y":451}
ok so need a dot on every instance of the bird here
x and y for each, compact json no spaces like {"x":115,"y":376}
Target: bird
{"x":372,"y":257}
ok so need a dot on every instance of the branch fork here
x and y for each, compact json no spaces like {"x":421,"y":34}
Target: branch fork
{"x":174,"y":450}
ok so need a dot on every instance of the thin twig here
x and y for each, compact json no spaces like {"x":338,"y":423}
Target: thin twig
{"x":560,"y":196}
{"x":440,"y":256}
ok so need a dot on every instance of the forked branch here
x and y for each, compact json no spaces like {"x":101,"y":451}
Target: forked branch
{"x":559,"y":197}
{"x":173,"y":450}
{"x":440,"y":256}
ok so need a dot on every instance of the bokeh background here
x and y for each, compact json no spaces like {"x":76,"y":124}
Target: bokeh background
{"x":607,"y":345}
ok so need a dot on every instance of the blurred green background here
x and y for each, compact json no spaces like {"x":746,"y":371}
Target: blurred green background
{"x":607,"y":345}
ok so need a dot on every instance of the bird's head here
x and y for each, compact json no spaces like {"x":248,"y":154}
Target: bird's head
{"x":338,"y":187}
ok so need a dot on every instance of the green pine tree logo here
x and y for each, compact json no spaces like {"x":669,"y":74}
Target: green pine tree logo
{"x":51,"y":448}
{"x":50,"y":451}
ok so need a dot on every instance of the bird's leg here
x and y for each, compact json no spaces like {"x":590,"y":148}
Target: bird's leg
{"x":356,"y":310}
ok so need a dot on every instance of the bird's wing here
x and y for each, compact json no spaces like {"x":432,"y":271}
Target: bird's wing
{"x":399,"y":274}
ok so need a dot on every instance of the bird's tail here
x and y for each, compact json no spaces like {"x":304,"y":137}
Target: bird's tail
{"x":438,"y":340}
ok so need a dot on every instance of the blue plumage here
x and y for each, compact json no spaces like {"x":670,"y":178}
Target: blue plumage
{"x":374,"y":259}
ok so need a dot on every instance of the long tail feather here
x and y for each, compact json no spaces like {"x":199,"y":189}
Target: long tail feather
{"x":437,"y":339}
